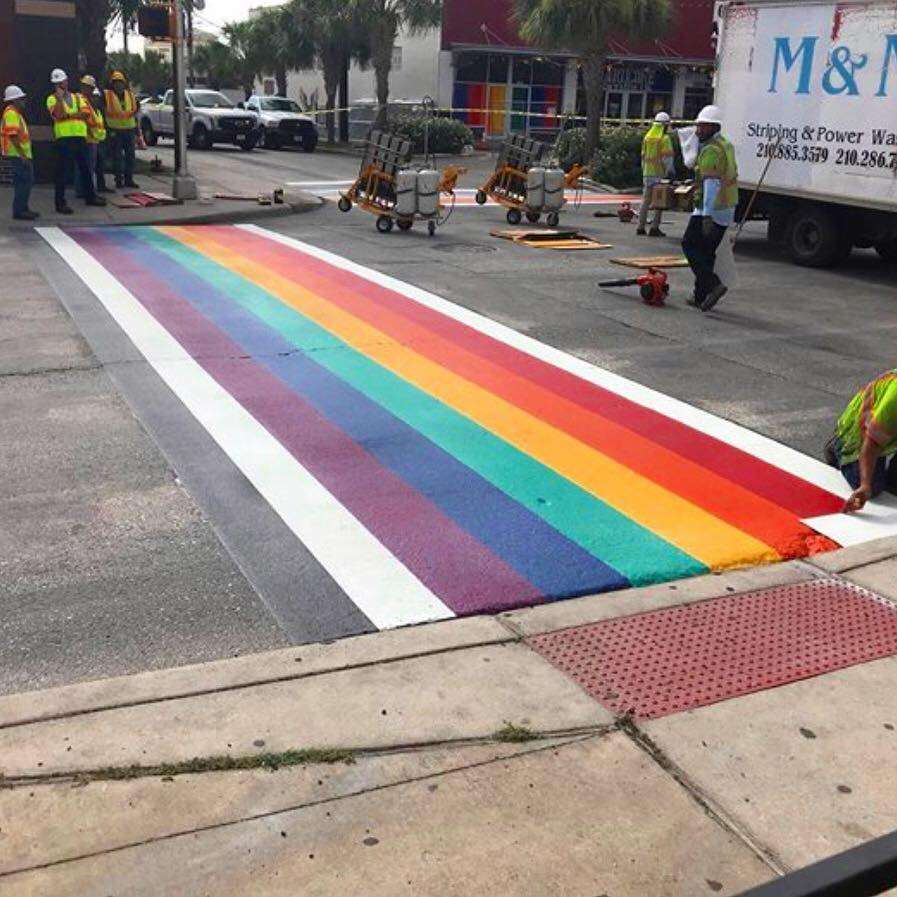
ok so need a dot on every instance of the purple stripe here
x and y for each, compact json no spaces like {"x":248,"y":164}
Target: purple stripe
{"x":460,"y":570}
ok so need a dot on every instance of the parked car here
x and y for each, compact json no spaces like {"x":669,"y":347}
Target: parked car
{"x":283,"y":123}
{"x":212,"y":118}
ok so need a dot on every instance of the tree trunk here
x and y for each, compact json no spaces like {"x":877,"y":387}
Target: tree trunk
{"x":280,"y":76}
{"x":92,"y":18}
{"x":331,"y":70}
{"x":125,"y":25}
{"x":593,"y":81}
{"x":383,"y":39}
{"x":344,"y":100}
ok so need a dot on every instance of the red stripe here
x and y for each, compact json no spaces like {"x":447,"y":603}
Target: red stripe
{"x":789,"y":492}
{"x":725,"y":500}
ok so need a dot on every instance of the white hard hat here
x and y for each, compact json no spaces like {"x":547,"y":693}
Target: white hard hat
{"x":662,"y":118}
{"x":57,"y":76}
{"x":710,"y":115}
{"x":13,"y":92}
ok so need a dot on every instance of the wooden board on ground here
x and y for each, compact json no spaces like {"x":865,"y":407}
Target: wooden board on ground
{"x":165,"y":199}
{"x":121,"y":203}
{"x":652,"y":261}
{"x":539,"y":238}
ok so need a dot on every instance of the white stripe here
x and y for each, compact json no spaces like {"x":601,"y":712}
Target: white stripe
{"x":319,"y":183}
{"x":878,"y":521}
{"x":377,"y":582}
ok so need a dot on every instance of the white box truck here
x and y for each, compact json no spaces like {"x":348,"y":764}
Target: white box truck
{"x":810,"y":88}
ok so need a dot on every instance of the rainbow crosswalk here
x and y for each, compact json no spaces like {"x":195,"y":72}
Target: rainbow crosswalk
{"x":434,"y":462}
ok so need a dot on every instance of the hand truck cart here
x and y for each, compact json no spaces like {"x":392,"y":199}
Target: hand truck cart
{"x":396,"y":194}
{"x":523,"y":186}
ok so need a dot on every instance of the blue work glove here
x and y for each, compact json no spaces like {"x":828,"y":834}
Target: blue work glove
{"x":707,"y":228}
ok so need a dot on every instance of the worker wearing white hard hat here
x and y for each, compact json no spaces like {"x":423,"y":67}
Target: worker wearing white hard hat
{"x":71,"y":114}
{"x":716,"y":197}
{"x":15,"y":144}
{"x":658,"y":162}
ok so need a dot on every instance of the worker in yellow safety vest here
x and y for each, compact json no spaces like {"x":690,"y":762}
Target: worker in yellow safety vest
{"x":70,"y":113}
{"x":96,"y":136}
{"x":716,"y":197}
{"x":657,"y":163}
{"x":15,"y":144}
{"x":121,"y":126}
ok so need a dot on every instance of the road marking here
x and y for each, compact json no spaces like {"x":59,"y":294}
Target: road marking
{"x":877,"y":521}
{"x":384,"y":589}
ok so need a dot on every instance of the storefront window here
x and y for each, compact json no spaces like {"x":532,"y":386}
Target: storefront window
{"x":523,"y":70}
{"x":472,"y":67}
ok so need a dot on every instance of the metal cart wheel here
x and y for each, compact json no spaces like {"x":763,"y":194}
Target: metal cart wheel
{"x":514,"y":216}
{"x":481,"y":198}
{"x":431,"y":228}
{"x":384,"y":224}
{"x":344,"y":205}
{"x":533,"y":217}
{"x":405,"y":223}
{"x":553,"y":219}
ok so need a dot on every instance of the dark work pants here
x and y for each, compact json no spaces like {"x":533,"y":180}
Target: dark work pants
{"x":701,"y":254}
{"x":121,"y":145}
{"x":22,"y":181}
{"x":101,"y":165}
{"x":72,"y":150}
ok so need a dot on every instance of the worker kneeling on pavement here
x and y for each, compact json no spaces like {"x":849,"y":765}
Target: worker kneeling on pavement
{"x":658,"y":162}
{"x":716,"y":196}
{"x":15,"y":143}
{"x":864,"y":446}
{"x":70,"y":113}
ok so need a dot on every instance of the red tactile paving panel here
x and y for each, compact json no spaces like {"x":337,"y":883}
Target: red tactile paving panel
{"x":667,"y":661}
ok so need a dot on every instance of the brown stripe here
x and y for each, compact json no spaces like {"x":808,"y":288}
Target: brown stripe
{"x":47,"y":9}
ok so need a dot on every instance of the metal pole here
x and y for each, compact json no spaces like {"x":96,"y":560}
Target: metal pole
{"x":183,"y":185}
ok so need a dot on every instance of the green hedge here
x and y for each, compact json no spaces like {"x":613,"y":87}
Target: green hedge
{"x":618,"y":161}
{"x":447,"y":135}
{"x":571,"y":148}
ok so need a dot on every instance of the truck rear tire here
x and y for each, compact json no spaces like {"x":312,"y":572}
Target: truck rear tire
{"x":150,"y":138}
{"x":201,"y":139}
{"x":887,"y":249}
{"x":814,"y":237}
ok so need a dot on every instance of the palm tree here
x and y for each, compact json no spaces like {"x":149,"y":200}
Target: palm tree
{"x":584,"y":27}
{"x":382,"y":20}
{"x":249,"y":50}
{"x":337,"y":36}
{"x":288,"y":47}
{"x":218,"y":64}
{"x":91,"y":19}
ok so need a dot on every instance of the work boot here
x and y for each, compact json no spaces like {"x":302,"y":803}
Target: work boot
{"x":104,"y":189}
{"x":656,"y":232}
{"x":64,"y":209}
{"x":132,"y":184}
{"x":27,"y":215}
{"x":640,"y":232}
{"x":96,"y":201}
{"x":713,"y":297}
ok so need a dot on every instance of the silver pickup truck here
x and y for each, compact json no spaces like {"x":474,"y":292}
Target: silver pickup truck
{"x":212,"y":118}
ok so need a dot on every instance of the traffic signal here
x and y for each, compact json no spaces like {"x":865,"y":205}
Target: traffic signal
{"x":155,"y":21}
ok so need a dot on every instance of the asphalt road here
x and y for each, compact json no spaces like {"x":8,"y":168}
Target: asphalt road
{"x":114,"y":564}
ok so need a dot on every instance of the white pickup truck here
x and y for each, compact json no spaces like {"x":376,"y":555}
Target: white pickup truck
{"x":808,"y":90}
{"x":212,"y":118}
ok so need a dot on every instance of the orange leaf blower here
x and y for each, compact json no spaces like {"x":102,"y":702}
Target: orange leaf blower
{"x":654,"y":286}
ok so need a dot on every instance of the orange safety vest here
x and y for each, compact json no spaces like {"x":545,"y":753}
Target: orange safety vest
{"x":121,"y":114}
{"x":14,"y":125}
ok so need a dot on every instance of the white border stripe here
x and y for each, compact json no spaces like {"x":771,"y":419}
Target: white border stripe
{"x":879,"y":519}
{"x":376,"y":581}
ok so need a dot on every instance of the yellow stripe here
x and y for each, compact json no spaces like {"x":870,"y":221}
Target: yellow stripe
{"x":705,"y":537}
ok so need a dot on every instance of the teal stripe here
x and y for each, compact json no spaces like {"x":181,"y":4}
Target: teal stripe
{"x":637,"y":553}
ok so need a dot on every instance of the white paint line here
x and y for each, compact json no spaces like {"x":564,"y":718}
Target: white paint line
{"x":376,"y":581}
{"x":319,"y":183}
{"x":872,"y":525}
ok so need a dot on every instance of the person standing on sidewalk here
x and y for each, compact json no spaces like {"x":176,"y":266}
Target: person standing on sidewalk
{"x":70,"y":113}
{"x":864,"y":447}
{"x":716,"y":196}
{"x":657,"y":163}
{"x":121,"y":125}
{"x":96,"y":137}
{"x":15,"y":144}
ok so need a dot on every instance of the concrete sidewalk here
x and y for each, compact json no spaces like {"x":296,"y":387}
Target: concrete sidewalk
{"x":445,"y":759}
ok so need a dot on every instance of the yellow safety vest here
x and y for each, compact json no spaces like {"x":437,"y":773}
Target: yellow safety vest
{"x":96,"y":127}
{"x":74,"y":124}
{"x":657,"y":152}
{"x":121,"y":114}
{"x":14,"y":125}
{"x":717,"y":160}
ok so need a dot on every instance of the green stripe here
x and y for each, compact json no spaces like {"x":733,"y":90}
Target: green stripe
{"x":635,"y":552}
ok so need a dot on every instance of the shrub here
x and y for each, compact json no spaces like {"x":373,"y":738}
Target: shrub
{"x":618,"y":161}
{"x":447,"y":135}
{"x":571,"y":148}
